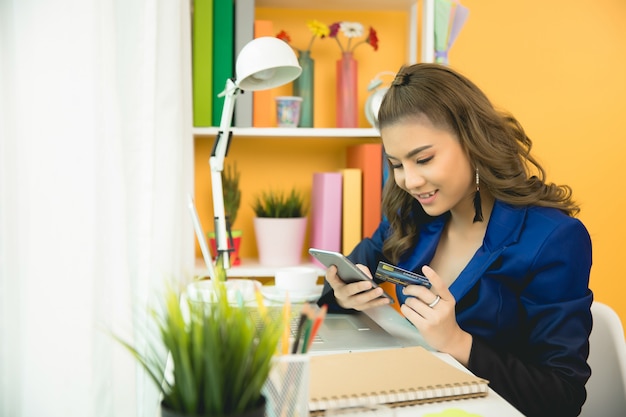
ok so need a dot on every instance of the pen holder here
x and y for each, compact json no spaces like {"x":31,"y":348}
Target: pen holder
{"x":287,"y":387}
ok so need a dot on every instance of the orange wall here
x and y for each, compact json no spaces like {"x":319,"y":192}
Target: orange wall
{"x":559,"y":66}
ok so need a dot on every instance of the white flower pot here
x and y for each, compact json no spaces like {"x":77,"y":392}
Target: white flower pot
{"x":280,"y":240}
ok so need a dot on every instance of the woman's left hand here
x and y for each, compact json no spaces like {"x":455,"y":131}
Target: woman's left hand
{"x":432,"y":312}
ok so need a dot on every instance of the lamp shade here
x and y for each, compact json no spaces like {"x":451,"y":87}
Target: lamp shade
{"x":266,"y":62}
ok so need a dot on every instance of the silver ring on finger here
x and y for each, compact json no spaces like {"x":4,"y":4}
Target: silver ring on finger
{"x":435,"y":302}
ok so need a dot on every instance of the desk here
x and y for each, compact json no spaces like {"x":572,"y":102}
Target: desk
{"x":490,"y":406}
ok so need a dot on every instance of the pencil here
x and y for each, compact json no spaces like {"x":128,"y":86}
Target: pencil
{"x":307,"y":334}
{"x":319,"y":319}
{"x":286,"y":328}
{"x":261,"y":304}
{"x":308,"y":325}
{"x":301,"y":321}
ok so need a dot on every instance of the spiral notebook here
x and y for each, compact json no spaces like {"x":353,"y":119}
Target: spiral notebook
{"x":396,"y":377}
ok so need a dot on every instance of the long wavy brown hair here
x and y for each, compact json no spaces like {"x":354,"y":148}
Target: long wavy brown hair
{"x":494,"y":141}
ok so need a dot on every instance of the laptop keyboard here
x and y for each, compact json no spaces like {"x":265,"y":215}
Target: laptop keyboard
{"x":275,"y":313}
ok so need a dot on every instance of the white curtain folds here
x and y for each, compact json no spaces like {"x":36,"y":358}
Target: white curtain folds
{"x":96,"y":159}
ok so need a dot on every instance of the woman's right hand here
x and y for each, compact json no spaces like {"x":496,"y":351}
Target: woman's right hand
{"x":357,"y":295}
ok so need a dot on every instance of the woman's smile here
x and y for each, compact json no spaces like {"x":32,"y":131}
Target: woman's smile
{"x":425,"y":198}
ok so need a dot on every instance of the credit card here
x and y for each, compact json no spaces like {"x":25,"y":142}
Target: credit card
{"x":397,"y":275}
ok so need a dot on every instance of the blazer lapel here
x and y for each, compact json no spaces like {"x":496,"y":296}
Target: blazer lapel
{"x":426,"y":246}
{"x":504,"y":228}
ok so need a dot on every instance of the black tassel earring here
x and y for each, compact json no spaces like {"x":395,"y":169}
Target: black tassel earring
{"x":478,"y":217}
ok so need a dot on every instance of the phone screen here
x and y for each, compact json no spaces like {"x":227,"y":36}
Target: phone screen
{"x":346,"y":269}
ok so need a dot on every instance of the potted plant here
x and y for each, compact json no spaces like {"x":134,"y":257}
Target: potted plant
{"x":280,"y":227}
{"x":232,"y":202}
{"x":219,"y":357}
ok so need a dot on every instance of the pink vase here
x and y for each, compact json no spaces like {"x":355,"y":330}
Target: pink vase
{"x":347,"y":115}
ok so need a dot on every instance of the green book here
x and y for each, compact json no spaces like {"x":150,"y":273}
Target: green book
{"x":223,"y":52}
{"x":202,"y":50}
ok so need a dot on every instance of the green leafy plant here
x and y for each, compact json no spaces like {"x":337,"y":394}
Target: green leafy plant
{"x":231,"y":191}
{"x":277,"y":204}
{"x":221,"y":358}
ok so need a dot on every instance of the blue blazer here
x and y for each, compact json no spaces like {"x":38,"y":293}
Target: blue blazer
{"x":524,"y":296}
{"x":526,"y":289}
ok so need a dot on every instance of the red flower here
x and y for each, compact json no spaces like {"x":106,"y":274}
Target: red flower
{"x":372,"y":39}
{"x":283,"y":36}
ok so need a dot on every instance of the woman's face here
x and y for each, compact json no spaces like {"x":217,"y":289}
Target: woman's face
{"x":429,"y":163}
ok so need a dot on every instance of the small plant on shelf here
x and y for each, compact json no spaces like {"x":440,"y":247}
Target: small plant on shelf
{"x":280,"y":227}
{"x":277,"y":204}
{"x":232,"y":192}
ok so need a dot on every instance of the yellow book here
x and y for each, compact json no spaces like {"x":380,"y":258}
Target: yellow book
{"x":352,"y":209}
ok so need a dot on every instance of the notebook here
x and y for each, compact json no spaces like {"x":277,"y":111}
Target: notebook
{"x":396,"y":377}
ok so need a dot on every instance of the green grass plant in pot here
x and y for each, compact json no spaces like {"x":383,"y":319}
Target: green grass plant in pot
{"x":219,"y":358}
{"x":232,"y":202}
{"x":280,"y":227}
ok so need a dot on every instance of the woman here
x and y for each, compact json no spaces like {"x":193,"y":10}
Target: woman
{"x":468,"y":206}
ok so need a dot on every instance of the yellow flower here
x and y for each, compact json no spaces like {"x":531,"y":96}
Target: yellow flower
{"x":317,"y":28}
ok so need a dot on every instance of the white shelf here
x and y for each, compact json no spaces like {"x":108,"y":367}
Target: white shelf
{"x":338,"y":4}
{"x":295,"y":132}
{"x":250,"y":268}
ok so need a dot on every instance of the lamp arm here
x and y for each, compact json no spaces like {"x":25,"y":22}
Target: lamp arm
{"x":216,"y":162}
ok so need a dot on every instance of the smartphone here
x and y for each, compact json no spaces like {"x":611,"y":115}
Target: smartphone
{"x":397,"y":275}
{"x":347,"y":271}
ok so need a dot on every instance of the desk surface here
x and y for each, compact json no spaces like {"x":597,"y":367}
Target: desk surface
{"x":490,"y":406}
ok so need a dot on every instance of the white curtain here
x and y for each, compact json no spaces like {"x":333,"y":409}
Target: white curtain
{"x":96,"y":158}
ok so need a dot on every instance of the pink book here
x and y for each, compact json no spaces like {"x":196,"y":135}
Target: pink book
{"x":326,"y":202}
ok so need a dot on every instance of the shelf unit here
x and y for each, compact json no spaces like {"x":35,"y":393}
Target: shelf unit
{"x":292,"y":133}
{"x":250,"y":268}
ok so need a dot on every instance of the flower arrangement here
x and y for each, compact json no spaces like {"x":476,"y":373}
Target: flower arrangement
{"x":353,"y":30}
{"x":317,"y":28}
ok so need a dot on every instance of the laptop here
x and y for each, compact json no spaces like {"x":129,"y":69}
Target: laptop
{"x":338,"y":332}
{"x":351,"y":332}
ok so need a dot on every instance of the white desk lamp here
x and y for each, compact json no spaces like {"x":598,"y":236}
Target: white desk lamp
{"x":373,"y":102}
{"x":263,"y":63}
